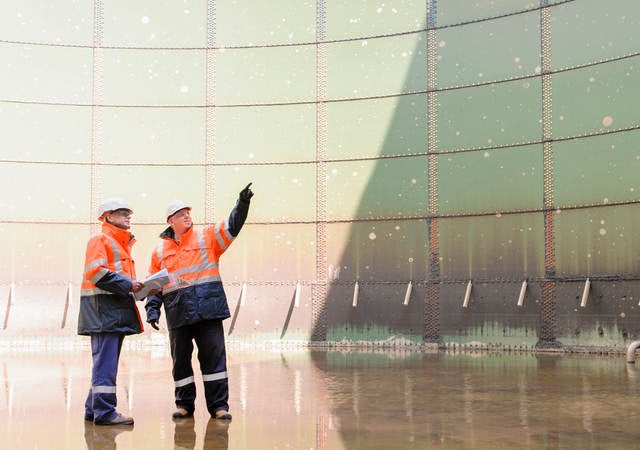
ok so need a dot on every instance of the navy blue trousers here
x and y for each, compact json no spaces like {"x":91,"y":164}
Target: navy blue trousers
{"x":101,"y":402}
{"x":209,"y":338}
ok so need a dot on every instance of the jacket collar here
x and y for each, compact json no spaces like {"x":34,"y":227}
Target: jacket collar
{"x":123,"y":236}
{"x":168,"y":233}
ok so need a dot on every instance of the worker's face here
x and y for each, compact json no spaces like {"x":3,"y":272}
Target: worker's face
{"x":181,"y":221}
{"x":120,"y":218}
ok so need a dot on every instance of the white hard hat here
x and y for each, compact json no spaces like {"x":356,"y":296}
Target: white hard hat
{"x":111,"y":204}
{"x":175,"y":206}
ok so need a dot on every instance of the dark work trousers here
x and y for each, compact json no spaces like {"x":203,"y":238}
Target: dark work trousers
{"x":101,"y":402}
{"x":209,"y":338}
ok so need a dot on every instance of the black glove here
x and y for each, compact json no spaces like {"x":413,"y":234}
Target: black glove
{"x":154,"y":323}
{"x":246,"y":194}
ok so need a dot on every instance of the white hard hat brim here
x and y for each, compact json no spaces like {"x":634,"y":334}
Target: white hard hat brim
{"x":101,"y":218}
{"x":112,"y":204}
{"x":174,"y":207}
{"x":177,"y":211}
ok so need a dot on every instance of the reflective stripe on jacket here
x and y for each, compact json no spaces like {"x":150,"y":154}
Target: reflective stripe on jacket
{"x":106,"y":305}
{"x":195,"y":292}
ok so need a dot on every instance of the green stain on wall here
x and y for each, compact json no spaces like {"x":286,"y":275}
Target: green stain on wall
{"x":599,"y":334}
{"x":494,"y":333}
{"x":371,"y":333}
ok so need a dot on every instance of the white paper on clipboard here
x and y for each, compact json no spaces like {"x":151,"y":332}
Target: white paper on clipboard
{"x":155,"y":281}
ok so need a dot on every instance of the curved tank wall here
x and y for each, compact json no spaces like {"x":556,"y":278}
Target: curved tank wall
{"x":425,"y":171}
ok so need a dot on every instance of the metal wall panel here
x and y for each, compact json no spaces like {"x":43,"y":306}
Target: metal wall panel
{"x":414,"y":163}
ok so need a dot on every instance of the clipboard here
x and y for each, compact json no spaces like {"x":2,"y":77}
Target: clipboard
{"x":155,"y":281}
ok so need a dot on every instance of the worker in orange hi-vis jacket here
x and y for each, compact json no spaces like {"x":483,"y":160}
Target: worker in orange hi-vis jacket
{"x":107,"y":307}
{"x":195,"y":302}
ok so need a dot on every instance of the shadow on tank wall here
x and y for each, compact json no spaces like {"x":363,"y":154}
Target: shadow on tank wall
{"x":440,"y":217}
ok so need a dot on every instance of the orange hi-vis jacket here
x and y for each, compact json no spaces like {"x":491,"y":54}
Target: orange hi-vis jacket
{"x":106,"y":303}
{"x":195,"y":292}
{"x":193,"y":260}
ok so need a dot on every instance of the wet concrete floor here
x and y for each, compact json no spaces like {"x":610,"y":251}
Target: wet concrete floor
{"x":302,"y":399}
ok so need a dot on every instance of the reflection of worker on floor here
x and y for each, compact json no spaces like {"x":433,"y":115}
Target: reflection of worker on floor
{"x":216,"y":435}
{"x":195,"y":303}
{"x":184,"y":434}
{"x":102,"y":438}
{"x":107,"y":308}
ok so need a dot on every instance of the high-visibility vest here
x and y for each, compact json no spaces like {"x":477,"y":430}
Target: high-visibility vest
{"x":107,"y":252}
{"x":110,"y":308}
{"x":193,"y":260}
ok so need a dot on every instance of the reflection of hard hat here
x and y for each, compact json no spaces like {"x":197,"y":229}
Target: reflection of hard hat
{"x":111,"y":204}
{"x":176,"y":206}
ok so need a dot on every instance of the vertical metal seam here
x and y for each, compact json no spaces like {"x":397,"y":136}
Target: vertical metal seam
{"x":548,"y":316}
{"x":319,"y":300}
{"x":547,"y":145}
{"x":432,"y":301}
{"x":210,"y":113}
{"x":545,"y":34}
{"x":96,"y":121}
